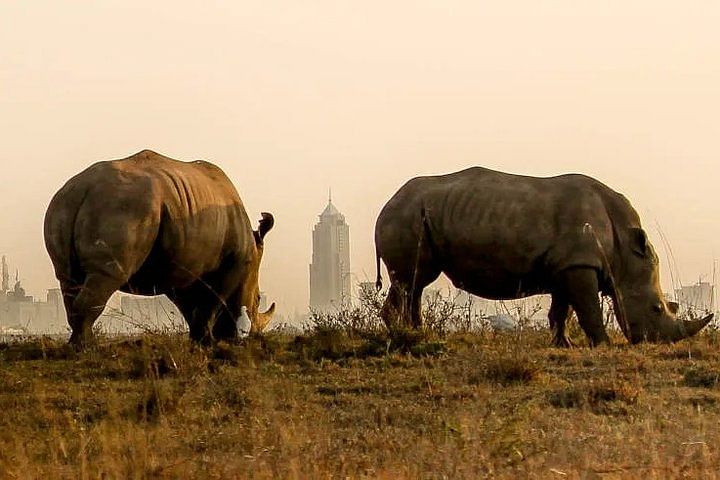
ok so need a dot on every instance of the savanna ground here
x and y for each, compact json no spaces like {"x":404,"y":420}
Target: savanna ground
{"x":346,"y":399}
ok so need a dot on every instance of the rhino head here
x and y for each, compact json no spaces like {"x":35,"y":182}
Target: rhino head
{"x":642,"y":311}
{"x":250,"y":297}
{"x":245,"y":315}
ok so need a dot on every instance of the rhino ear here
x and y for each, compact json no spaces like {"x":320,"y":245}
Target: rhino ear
{"x":639,"y":242}
{"x":266,"y":224}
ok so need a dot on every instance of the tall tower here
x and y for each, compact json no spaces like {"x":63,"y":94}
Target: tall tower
{"x":5,"y":275}
{"x":330,"y":267}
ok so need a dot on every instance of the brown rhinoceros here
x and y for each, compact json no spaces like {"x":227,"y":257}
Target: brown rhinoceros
{"x":503,"y":236}
{"x":151,"y":225}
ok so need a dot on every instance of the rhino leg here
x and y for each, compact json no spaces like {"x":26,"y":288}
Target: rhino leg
{"x":224,"y":327}
{"x":560,"y":313}
{"x":580,"y":287}
{"x":199,"y":307}
{"x":85,"y":305}
{"x":198,"y":319}
{"x":206,"y":306}
{"x":402,"y":307}
{"x":416,"y":308}
{"x":396,"y":309}
{"x":403,"y":304}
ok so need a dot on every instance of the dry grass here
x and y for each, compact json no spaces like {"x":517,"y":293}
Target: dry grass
{"x":333,"y":404}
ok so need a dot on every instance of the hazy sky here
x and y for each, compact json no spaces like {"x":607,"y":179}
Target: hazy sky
{"x":291,"y":98}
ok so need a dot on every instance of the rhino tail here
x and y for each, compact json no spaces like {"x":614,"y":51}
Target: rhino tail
{"x":59,"y":232}
{"x":378,"y":279}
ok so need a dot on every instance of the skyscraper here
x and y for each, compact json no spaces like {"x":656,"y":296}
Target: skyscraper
{"x":5,"y":276}
{"x":330,"y":267}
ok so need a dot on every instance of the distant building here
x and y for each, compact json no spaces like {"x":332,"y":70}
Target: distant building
{"x":20,"y":313}
{"x":5,"y":276}
{"x":698,"y":297}
{"x":263,"y":304}
{"x":330,"y":267}
{"x":141,"y":314}
{"x":498,"y":313}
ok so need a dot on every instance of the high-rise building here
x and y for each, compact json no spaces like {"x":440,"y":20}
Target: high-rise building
{"x":5,"y":276}
{"x":330,"y":267}
{"x":698,"y":297}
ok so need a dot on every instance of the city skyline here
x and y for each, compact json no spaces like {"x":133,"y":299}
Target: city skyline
{"x":364,"y":97}
{"x":674,"y":284}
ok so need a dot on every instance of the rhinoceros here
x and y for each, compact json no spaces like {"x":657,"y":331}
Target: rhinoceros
{"x":151,"y":225}
{"x":503,"y":236}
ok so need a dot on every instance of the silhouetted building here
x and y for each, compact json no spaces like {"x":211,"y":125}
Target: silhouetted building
{"x":263,"y":303}
{"x":5,"y":276}
{"x":21,"y":314}
{"x":141,"y":314}
{"x":698,"y":297}
{"x":330,"y":267}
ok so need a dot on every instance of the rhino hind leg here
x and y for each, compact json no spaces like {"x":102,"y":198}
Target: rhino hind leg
{"x":403,"y":304}
{"x":396,"y":309}
{"x":416,"y":308}
{"x":84,"y":305}
{"x":580,"y":287}
{"x":560,"y":313}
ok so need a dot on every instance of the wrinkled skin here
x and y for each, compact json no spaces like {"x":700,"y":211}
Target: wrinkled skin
{"x":150,"y":225}
{"x":503,"y":236}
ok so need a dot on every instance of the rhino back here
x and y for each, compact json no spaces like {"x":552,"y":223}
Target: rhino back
{"x":156,"y":222}
{"x":504,"y":236}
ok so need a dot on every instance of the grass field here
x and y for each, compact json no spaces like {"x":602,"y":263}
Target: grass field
{"x":331,"y":403}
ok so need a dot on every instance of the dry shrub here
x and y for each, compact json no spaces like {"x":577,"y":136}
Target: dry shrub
{"x":702,"y":376}
{"x":157,"y":400}
{"x":359,"y":332}
{"x":512,"y":369}
{"x":697,"y":348}
{"x":336,"y":344}
{"x":42,"y":348}
{"x":415,"y":342}
{"x":150,"y":356}
{"x":231,"y":394}
{"x":604,"y":397}
{"x":356,"y":321}
{"x":703,"y":400}
{"x":327,"y":343}
{"x":120,"y":410}
{"x":250,"y":351}
{"x":443,"y":315}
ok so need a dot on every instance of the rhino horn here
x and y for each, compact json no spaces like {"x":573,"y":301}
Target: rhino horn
{"x":682,"y":329}
{"x":263,"y":319}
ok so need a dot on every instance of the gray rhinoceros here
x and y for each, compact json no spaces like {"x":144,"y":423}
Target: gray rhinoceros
{"x":503,"y":236}
{"x":151,"y":225}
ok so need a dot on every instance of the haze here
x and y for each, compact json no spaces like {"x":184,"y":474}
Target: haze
{"x":292,"y":98}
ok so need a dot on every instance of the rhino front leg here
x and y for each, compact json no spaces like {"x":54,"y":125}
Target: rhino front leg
{"x":199,"y":308}
{"x":580,"y":287}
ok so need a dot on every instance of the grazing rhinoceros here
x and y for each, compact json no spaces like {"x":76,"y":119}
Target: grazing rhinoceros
{"x":151,"y":225}
{"x":503,"y":236}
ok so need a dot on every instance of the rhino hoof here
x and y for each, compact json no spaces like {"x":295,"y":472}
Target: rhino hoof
{"x":562,"y":342}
